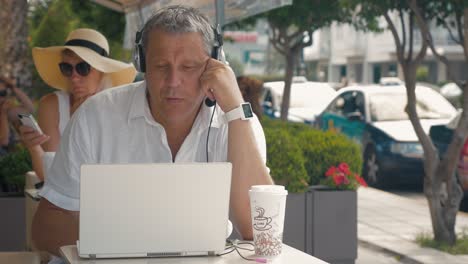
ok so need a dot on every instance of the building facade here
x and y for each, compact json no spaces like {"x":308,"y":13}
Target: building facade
{"x":340,"y":52}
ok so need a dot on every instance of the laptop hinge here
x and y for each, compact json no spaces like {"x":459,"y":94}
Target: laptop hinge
{"x":164,"y":254}
{"x":92,"y":256}
{"x":211,"y":253}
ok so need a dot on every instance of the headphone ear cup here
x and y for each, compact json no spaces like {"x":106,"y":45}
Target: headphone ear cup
{"x":215,"y":53}
{"x":141,"y":59}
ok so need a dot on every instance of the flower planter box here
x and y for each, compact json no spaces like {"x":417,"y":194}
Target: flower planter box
{"x":12,"y":222}
{"x":295,"y":221}
{"x":323,"y":223}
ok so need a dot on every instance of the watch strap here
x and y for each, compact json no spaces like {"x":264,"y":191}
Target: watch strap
{"x":239,"y":113}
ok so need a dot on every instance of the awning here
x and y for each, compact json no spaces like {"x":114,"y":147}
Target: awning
{"x":220,"y":11}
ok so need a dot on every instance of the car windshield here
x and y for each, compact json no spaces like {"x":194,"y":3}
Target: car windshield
{"x":310,"y":95}
{"x":390,"y":106}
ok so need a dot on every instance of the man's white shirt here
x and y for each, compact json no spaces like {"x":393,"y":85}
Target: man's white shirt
{"x":116,"y":126}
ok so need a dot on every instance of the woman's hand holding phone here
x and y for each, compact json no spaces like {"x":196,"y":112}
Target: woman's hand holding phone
{"x":31,"y":133}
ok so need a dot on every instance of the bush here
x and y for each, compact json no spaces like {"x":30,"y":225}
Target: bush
{"x":323,"y":149}
{"x":13,"y":167}
{"x":299,"y":155}
{"x":285,"y":160}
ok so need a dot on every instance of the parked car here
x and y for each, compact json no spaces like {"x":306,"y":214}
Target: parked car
{"x":390,"y":81}
{"x":375,"y":117}
{"x":441,"y":135}
{"x":308,"y":99}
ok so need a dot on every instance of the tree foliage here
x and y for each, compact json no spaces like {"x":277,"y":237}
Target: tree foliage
{"x":14,"y":52}
{"x":291,"y":29}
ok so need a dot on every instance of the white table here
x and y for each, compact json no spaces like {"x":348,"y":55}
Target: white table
{"x":289,"y":255}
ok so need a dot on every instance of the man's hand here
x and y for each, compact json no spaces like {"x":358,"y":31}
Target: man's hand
{"x":219,"y":83}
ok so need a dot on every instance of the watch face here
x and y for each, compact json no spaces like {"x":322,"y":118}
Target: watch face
{"x":247,"y":110}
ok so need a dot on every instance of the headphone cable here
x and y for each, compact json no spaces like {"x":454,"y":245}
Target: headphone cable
{"x":209,"y":128}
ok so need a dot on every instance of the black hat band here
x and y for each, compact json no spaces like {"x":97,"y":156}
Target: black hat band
{"x":87,"y":44}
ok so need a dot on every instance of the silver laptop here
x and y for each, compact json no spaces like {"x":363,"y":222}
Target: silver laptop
{"x":153,"y":210}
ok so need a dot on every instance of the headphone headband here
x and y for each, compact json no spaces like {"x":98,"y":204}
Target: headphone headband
{"x":139,"y":53}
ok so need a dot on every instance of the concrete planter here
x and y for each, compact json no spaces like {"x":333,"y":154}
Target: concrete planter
{"x":295,"y":222}
{"x":12,"y":222}
{"x":323,"y":223}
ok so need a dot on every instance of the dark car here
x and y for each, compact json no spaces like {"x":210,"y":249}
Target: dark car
{"x":374,"y":117}
{"x":442,"y":135}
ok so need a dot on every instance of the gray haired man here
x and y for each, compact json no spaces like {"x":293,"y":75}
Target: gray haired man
{"x":163,"y":119}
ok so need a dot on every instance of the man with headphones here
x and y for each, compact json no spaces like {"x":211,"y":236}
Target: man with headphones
{"x":163,"y":119}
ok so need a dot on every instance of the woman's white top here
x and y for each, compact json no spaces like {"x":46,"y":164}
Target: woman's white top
{"x":64,"y":109}
{"x":64,"y":116}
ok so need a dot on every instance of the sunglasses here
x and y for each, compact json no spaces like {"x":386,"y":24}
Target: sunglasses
{"x":82,"y":68}
{"x":3,"y":93}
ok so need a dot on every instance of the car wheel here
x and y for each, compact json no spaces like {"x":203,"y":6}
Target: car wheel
{"x":371,"y":168}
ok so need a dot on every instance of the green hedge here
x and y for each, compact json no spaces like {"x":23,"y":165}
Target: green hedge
{"x":299,"y":155}
{"x":323,"y":149}
{"x":13,"y":167}
{"x":285,"y":159}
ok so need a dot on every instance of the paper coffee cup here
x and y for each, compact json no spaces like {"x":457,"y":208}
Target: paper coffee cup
{"x":268,"y":206}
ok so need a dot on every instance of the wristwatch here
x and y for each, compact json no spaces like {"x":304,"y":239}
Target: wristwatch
{"x":243,"y":111}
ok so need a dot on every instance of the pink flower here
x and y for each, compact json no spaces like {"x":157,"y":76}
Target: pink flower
{"x":340,"y":179}
{"x":360,"y":180}
{"x":346,"y":180}
{"x":331,"y":171}
{"x":343,"y":167}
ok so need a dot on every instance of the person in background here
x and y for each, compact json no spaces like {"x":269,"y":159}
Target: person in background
{"x":164,"y":119}
{"x":251,"y":89}
{"x":13,"y":101}
{"x":78,"y":69}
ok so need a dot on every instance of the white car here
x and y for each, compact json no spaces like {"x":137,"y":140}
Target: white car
{"x":307,"y":100}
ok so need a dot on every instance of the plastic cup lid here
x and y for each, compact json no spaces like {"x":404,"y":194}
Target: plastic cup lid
{"x":276,"y":189}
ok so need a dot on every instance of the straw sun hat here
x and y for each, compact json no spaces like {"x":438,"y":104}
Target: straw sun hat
{"x":89,"y":45}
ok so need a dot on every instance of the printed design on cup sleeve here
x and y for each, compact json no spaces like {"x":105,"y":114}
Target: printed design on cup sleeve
{"x":261,"y":222}
{"x":267,"y":244}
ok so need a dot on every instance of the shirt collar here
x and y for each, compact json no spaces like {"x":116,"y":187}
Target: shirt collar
{"x":138,"y":103}
{"x":139,"y":108}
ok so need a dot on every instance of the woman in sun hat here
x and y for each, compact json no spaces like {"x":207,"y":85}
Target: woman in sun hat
{"x":78,"y":69}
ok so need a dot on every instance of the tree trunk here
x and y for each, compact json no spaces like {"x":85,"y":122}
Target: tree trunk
{"x":290,"y":63}
{"x":14,"y":50}
{"x":443,"y":207}
{"x":441,"y":187}
{"x":443,"y":196}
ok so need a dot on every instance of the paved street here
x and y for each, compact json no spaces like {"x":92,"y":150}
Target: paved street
{"x":391,"y":222}
{"x":371,"y":255}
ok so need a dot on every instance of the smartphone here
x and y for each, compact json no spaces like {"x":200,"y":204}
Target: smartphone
{"x":28,"y":120}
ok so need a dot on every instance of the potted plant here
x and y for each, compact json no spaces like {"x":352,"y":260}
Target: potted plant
{"x":13,"y":167}
{"x":333,"y":206}
{"x":298,"y":157}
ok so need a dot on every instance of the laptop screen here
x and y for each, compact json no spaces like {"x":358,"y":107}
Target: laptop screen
{"x":152,"y":210}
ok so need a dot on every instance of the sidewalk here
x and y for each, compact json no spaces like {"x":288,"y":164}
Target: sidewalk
{"x":391,"y":222}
